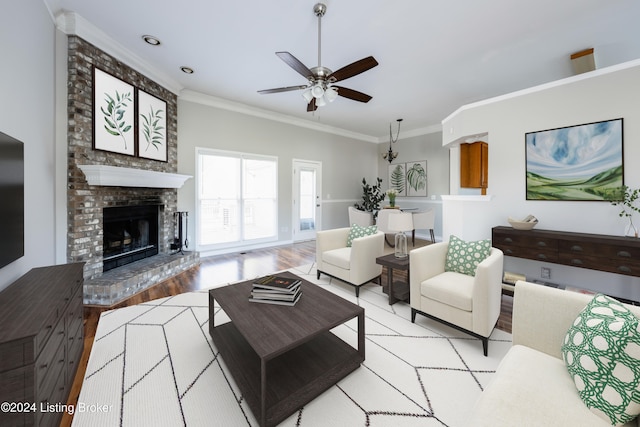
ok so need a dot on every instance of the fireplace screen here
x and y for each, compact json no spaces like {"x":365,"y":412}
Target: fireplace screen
{"x":130,"y":234}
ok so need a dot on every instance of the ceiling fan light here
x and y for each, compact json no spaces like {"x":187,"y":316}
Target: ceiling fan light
{"x":307,"y":95}
{"x":331,"y":94}
{"x":320,"y":102}
{"x":317,"y":91}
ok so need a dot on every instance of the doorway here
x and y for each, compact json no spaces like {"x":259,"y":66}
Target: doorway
{"x":307,"y":209}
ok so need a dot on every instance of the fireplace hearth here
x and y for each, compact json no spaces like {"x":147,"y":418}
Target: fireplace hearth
{"x":130,"y":234}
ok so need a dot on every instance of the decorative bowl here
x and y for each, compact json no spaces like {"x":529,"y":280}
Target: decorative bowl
{"x":522,"y":225}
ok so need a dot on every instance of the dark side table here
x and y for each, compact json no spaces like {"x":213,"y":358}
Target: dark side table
{"x":397,"y":290}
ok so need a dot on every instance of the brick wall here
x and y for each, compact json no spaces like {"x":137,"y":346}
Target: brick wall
{"x":85,"y":202}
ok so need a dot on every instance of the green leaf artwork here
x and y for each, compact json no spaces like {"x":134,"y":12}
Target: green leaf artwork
{"x":114,"y":115}
{"x":152,"y":128}
{"x":417,"y":177}
{"x":397,"y":179}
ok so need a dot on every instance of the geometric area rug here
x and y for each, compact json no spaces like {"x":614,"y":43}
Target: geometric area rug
{"x":154,"y":364}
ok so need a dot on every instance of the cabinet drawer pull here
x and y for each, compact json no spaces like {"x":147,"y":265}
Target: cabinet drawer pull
{"x":576,"y":248}
{"x":542,"y":244}
{"x":542,"y":256}
{"x":508,"y":239}
{"x":624,"y":254}
{"x":508,"y":251}
{"x":624,"y":269}
{"x":576,"y":261}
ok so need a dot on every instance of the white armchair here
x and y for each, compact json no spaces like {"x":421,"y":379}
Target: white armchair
{"x":468,"y":303}
{"x":362,"y":218}
{"x":355,"y":265}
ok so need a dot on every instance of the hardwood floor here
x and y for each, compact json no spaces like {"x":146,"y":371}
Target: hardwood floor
{"x":214,"y":270}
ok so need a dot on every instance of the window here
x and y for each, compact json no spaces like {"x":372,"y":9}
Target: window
{"x":237,"y":198}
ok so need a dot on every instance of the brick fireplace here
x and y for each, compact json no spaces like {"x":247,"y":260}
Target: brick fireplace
{"x":87,"y":201}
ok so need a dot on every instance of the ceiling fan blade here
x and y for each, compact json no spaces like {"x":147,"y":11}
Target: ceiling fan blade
{"x":353,"y":69}
{"x":311,"y":106}
{"x":295,"y":63}
{"x":352,"y":94}
{"x":282,"y":89}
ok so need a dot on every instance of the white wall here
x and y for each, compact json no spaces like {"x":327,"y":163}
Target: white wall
{"x":424,"y":147}
{"x":600,"y":95}
{"x":27,"y":113}
{"x":345,"y":161}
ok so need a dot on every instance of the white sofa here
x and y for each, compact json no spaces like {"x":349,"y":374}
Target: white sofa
{"x":532,"y":386}
{"x":355,"y":265}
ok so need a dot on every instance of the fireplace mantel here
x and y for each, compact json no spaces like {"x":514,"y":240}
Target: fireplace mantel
{"x":116,"y":176}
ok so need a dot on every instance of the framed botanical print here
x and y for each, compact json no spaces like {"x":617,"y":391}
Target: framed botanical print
{"x":416,"y":178}
{"x":397,"y":180}
{"x":113,"y":114}
{"x":152,"y":127}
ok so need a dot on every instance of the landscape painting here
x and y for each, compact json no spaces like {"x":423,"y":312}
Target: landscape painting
{"x":582,"y":162}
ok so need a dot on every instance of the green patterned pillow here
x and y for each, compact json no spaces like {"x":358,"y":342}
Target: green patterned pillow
{"x":359,"y":231}
{"x":602,"y":353}
{"x":464,"y":257}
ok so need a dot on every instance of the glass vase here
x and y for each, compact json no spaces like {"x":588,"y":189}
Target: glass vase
{"x":401,"y":245}
{"x":392,"y":202}
{"x":631,"y":229}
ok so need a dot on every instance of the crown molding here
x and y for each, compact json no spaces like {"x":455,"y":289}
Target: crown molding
{"x":413,"y":133}
{"x":225,"y":104}
{"x":72,"y":23}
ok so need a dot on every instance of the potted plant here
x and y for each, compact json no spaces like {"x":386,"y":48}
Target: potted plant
{"x":371,"y":197}
{"x":627,"y":202}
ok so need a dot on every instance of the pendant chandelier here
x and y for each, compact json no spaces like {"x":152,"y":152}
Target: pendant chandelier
{"x":391,"y":155}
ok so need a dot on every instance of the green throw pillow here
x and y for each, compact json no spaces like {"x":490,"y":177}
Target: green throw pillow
{"x":602,"y":353}
{"x":464,"y":257}
{"x":359,"y":231}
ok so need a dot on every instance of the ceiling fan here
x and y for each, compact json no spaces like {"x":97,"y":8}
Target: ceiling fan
{"x":321,"y":88}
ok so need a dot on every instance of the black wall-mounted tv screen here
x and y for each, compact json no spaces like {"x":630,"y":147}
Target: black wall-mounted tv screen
{"x":11,"y":199}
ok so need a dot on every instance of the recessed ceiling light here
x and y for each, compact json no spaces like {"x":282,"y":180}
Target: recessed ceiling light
{"x":187,"y":70}
{"x":153,"y":41}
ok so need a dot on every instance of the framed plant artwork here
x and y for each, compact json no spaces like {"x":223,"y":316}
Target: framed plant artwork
{"x":152,"y":127}
{"x":113,"y":114}
{"x":397,"y":179}
{"x":582,"y":162}
{"x":417,"y":178}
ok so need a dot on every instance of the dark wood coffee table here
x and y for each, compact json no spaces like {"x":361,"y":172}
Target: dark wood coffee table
{"x":283,"y":357}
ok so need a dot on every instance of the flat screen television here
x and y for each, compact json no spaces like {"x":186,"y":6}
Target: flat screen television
{"x":11,"y":199}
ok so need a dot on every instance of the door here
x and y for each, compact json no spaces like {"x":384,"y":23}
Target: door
{"x":307,"y":188}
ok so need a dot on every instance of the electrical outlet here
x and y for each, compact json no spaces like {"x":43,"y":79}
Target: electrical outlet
{"x":545,"y":273}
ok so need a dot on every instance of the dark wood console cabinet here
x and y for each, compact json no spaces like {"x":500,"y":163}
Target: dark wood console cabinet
{"x":41,"y":342}
{"x":612,"y":254}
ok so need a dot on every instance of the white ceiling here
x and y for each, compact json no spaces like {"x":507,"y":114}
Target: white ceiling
{"x":434,"y":56}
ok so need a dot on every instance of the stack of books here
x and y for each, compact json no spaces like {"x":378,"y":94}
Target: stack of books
{"x":276,"y":290}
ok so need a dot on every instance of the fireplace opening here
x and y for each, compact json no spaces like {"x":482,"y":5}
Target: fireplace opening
{"x":130,"y":234}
